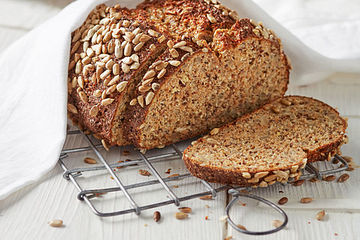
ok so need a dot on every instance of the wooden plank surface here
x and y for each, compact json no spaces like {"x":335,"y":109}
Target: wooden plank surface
{"x":24,"y":215}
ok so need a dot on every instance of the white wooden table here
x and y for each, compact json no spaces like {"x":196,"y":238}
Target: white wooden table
{"x":24,"y":215}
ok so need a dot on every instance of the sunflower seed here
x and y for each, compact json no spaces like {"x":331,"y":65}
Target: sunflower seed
{"x":136,"y":31}
{"x":118,"y":51}
{"x":135,"y":57}
{"x":156,"y":216}
{"x":111,"y":46}
{"x":76,"y":36}
{"x":329,"y":178}
{"x":116,"y":69}
{"x":97,"y":93}
{"x":56,"y":223}
{"x":144,"y":38}
{"x":107,"y":37}
{"x":140,"y":100}
{"x":78,"y":67}
{"x":185,"y":209}
{"x":75,"y":48}
{"x":129,"y":36}
{"x":180,"y":44}
{"x":127,"y":60}
{"x":241,"y":227}
{"x":155,"y":86}
{"x":125,"y":68}
{"x":110,"y":90}
{"x":149,"y":98}
{"x":206,"y":197}
{"x":144,"y":172}
{"x":135,"y":65}
{"x":185,"y":56}
{"x":133,"y":102}
{"x":320,"y":215}
{"x":127,"y":49}
{"x":83,"y":97}
{"x":80,"y":81}
{"x":138,"y":46}
{"x":170,"y":44}
{"x":152,"y":47}
{"x":107,"y":101}
{"x":126,"y":23}
{"x":181,"y":215}
{"x":149,"y":74}
{"x":187,"y":49}
{"x":105,"y":145}
{"x":105,"y":74}
{"x":71,"y":65}
{"x":211,"y":18}
{"x":71,"y":108}
{"x":103,"y":94}
{"x":174,"y":63}
{"x":136,"y":39}
{"x":121,"y":86}
{"x":260,"y":174}
{"x":246,"y":175}
{"x":144,"y":88}
{"x":153,"y":33}
{"x":277,"y":223}
{"x":161,"y":39}
{"x":306,"y":200}
{"x":110,"y":64}
{"x":343,"y":178}
{"x":161,"y":73}
{"x":283,"y":200}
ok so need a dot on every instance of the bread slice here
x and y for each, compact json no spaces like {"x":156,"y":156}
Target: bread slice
{"x":271,"y":144}
{"x":105,"y":68}
{"x":208,"y":86}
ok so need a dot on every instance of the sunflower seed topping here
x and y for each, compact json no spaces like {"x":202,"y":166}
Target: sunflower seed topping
{"x":107,"y":101}
{"x":121,"y":86}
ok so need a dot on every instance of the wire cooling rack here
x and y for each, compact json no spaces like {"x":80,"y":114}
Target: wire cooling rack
{"x":171,"y":153}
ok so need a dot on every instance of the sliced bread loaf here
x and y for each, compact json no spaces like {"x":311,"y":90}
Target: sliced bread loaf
{"x":268,"y":145}
{"x":169,"y":70}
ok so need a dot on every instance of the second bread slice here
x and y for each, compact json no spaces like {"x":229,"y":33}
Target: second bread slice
{"x":268,"y":145}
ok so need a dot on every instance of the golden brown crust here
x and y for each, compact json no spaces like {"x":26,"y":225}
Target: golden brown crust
{"x":234,"y":176}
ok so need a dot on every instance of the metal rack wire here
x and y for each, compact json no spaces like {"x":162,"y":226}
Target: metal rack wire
{"x":87,"y":195}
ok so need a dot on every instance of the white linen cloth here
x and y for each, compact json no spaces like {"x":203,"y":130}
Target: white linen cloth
{"x":33,"y":73}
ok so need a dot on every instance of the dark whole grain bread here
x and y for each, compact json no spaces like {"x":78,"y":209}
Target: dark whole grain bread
{"x":271,"y":144}
{"x":193,"y":65}
{"x":109,"y":53}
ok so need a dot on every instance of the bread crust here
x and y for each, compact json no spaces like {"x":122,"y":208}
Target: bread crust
{"x":234,"y":177}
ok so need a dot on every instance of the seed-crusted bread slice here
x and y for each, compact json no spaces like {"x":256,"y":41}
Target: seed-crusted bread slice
{"x":201,"y":87}
{"x":268,"y":145}
{"x":109,"y":54}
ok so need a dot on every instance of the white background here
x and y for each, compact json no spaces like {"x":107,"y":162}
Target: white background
{"x":24,"y":215}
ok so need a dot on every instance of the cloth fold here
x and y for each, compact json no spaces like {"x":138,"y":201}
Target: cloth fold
{"x":34,"y":74}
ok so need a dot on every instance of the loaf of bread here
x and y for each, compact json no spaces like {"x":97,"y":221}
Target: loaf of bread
{"x":170,"y":70}
{"x":271,"y":144}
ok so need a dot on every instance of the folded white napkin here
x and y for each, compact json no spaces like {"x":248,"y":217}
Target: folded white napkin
{"x":33,"y":76}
